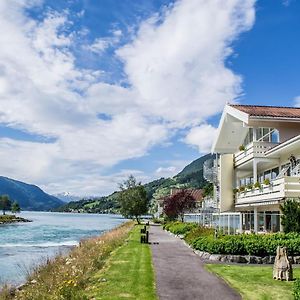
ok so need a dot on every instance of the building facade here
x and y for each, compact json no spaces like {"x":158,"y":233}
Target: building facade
{"x":257,"y":163}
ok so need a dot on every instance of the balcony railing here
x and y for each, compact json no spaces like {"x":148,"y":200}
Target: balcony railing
{"x":253,"y":150}
{"x":285,"y":187}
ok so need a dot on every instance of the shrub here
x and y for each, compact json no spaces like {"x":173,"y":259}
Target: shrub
{"x":203,"y":239}
{"x":291,"y":216}
{"x":198,"y":231}
{"x":296,"y":289}
{"x":180,"y":227}
{"x":259,"y":245}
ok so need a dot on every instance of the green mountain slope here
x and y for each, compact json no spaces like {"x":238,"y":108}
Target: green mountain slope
{"x":30,"y":197}
{"x":195,"y":166}
{"x":190,"y":177}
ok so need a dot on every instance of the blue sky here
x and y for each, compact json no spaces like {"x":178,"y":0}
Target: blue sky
{"x":92,"y":91}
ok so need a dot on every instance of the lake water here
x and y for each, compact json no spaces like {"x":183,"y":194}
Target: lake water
{"x":25,"y":245}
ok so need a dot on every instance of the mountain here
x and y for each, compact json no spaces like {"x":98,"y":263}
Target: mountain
{"x":195,"y":166}
{"x":29,"y":197}
{"x":67,"y":197}
{"x":190,"y":177}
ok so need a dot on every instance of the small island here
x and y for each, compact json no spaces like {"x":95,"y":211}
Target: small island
{"x":7,"y":205}
{"x":7,"y":219}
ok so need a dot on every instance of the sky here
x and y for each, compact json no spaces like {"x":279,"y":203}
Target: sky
{"x":92,"y":91}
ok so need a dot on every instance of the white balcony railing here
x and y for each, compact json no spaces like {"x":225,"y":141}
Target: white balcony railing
{"x":285,"y":187}
{"x":253,"y":150}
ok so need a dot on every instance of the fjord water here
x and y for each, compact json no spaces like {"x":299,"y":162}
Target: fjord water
{"x":23,"y":246}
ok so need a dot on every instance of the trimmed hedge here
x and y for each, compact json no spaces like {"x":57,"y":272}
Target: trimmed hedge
{"x":180,"y":227}
{"x":244,"y":244}
{"x":252,"y":244}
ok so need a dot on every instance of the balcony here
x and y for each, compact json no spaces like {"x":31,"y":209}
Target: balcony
{"x":252,"y":150}
{"x":285,"y":187}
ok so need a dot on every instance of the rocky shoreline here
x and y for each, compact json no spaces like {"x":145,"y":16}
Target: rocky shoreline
{"x":9,"y":219}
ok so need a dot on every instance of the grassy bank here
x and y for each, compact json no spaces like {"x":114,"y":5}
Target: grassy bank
{"x":255,"y":282}
{"x":7,"y":219}
{"x":112,"y":266}
{"x":128,"y":275}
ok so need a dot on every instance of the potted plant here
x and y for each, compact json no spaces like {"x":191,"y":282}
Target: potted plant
{"x":267,"y":181}
{"x":235,"y":191}
{"x":242,"y":189}
{"x":257,"y":185}
{"x":242,"y":148}
{"x":249,"y":186}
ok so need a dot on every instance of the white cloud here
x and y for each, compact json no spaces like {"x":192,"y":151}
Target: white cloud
{"x":176,"y":75}
{"x":170,"y":168}
{"x":297,"y":101}
{"x":202,"y":137}
{"x":101,"y":44}
{"x":176,"y":61}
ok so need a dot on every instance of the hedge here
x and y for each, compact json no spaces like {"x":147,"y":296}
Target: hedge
{"x":180,"y":227}
{"x":244,"y":244}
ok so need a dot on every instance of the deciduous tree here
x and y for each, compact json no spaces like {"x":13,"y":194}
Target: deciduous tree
{"x":133,"y":199}
{"x":178,"y":204}
{"x":15,"y":207}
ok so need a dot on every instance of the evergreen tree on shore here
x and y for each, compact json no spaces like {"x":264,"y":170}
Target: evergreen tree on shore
{"x":5,"y":203}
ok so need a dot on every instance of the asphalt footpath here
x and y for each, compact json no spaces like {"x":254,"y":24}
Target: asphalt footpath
{"x":180,"y":274}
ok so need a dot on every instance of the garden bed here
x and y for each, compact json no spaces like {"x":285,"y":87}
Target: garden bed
{"x":243,"y":248}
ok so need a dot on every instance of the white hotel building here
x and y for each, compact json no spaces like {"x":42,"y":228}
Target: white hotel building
{"x":257,"y":165}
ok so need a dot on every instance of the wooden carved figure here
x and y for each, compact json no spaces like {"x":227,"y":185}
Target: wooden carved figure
{"x":282,"y":267}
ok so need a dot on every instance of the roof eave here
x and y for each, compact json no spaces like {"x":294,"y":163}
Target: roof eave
{"x":240,"y":115}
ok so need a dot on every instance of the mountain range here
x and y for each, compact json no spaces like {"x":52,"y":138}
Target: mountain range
{"x":29,"y":197}
{"x":190,"y":177}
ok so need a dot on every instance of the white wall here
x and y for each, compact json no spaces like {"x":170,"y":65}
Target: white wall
{"x":226,"y":182}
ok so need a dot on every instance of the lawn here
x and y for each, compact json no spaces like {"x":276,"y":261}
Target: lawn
{"x":128,"y":275}
{"x":255,"y":282}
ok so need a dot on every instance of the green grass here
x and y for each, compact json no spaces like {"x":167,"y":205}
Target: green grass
{"x":255,"y":282}
{"x":128,"y":275}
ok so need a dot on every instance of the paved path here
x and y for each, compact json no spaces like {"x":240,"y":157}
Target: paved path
{"x":180,"y":274}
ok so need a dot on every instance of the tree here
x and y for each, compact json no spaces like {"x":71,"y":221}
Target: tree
{"x":290,"y":218}
{"x":133,"y":199}
{"x":178,"y":204}
{"x":208,"y":190}
{"x":15,"y":207}
{"x":5,"y":203}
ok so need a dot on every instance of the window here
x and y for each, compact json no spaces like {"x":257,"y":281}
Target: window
{"x":275,"y":136}
{"x":249,"y":137}
{"x":274,"y":173}
{"x":267,"y":135}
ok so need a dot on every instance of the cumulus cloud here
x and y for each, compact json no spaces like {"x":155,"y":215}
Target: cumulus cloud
{"x":297,"y":101}
{"x":175,"y":75}
{"x":202,"y":137}
{"x":176,"y":61}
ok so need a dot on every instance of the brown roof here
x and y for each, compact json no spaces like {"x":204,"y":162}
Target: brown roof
{"x":269,"y":111}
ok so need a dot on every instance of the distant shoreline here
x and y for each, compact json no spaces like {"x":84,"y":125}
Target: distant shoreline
{"x":10,"y":219}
